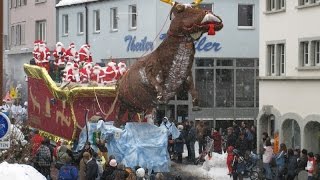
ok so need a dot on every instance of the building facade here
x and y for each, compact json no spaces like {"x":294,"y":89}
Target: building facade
{"x":28,"y":20}
{"x":290,"y":72}
{"x":226,"y":65}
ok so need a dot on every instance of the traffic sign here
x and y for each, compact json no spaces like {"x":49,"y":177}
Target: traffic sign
{"x":4,"y":125}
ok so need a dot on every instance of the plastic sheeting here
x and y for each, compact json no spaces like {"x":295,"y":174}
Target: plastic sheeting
{"x":140,"y":144}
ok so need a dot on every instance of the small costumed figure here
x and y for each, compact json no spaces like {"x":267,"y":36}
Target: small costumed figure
{"x":69,"y":66}
{"x":44,"y":55}
{"x":121,"y":69}
{"x":85,"y":72}
{"x":73,"y":74}
{"x":85,"y":54}
{"x":70,"y":52}
{"x":97,"y":74}
{"x":36,"y":51}
{"x":59,"y":62}
{"x":111,"y":72}
{"x":76,"y":59}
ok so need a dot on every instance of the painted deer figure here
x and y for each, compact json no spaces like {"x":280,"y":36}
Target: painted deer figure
{"x":157,"y":77}
{"x":35,"y":103}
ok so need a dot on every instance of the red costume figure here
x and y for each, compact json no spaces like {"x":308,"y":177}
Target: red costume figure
{"x":97,"y":74}
{"x":69,"y":66}
{"x":59,"y":54}
{"x":71,"y":52}
{"x":230,"y":158}
{"x":36,"y":142}
{"x":85,"y":72}
{"x":84,"y":54}
{"x":111,"y":72}
{"x":121,"y":69}
{"x":44,"y":55}
{"x":73,"y":74}
{"x":36,"y":51}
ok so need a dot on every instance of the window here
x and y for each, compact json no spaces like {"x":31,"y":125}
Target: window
{"x":133,"y":16}
{"x":65,"y":24}
{"x":96,"y":20}
{"x":80,"y":23}
{"x":114,"y":19}
{"x":272,"y":59}
{"x":305,"y":53}
{"x":307,"y":2}
{"x":207,"y":7}
{"x":205,"y":86}
{"x":40,"y":1}
{"x":18,"y":3}
{"x":18,"y":34}
{"x":281,"y":55}
{"x":224,"y":87}
{"x":245,"y":16}
{"x":41,"y":28}
{"x":24,"y":2}
{"x":13,"y":36}
{"x":274,"y":5}
{"x":245,"y":87}
{"x":316,"y":47}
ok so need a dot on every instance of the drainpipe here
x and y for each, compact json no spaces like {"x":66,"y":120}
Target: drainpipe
{"x":87,"y":36}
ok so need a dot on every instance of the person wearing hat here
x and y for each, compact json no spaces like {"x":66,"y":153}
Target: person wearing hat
{"x":92,"y":167}
{"x":83,"y":164}
{"x":178,"y":144}
{"x":140,"y":174}
{"x":68,"y":171}
{"x":109,"y":169}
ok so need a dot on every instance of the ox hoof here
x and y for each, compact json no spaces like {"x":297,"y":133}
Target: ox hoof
{"x":196,"y":108}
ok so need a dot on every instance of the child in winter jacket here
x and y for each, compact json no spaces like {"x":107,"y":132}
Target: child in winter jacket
{"x":310,"y":165}
{"x":230,"y":158}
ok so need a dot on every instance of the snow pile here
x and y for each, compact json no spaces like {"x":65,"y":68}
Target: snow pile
{"x":71,"y":2}
{"x":19,"y":172}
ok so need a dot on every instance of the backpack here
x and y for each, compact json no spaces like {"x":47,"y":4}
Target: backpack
{"x":65,"y":173}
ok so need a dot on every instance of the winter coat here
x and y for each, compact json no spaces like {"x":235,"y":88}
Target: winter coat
{"x":292,"y":165}
{"x":302,"y":162}
{"x":192,"y":134}
{"x":43,"y":156}
{"x":242,"y":145}
{"x":310,"y":166}
{"x":72,"y":171}
{"x":231,"y":140}
{"x":108,"y":172}
{"x":267,"y":155}
{"x":82,"y":169}
{"x":120,"y":174}
{"x":217,"y":140}
{"x":280,"y":159}
{"x":200,"y":132}
{"x":230,"y":154}
{"x":178,"y":143}
{"x":92,"y":169}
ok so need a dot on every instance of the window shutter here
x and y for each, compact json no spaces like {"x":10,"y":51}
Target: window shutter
{"x":23,"y":33}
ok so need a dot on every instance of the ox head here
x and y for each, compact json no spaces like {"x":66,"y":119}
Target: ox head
{"x":190,"y":20}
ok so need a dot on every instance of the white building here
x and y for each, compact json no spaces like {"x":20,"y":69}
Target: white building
{"x":290,"y":72}
{"x":226,"y":64}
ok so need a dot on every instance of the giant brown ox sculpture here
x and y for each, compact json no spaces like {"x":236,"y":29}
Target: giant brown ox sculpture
{"x":157,"y":77}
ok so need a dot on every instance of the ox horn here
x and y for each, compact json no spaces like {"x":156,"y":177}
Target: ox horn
{"x":197,"y":2}
{"x":168,"y":2}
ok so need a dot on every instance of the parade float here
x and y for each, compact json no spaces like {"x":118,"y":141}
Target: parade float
{"x":58,"y":109}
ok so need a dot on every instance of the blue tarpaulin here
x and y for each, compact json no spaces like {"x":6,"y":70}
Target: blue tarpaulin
{"x":140,"y":144}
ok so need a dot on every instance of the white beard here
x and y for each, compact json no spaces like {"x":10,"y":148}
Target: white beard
{"x":58,"y":49}
{"x":73,"y":51}
{"x":42,"y":49}
{"x":35,"y":47}
{"x":96,"y":71}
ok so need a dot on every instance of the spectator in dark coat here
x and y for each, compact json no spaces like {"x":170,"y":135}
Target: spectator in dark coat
{"x":302,"y":161}
{"x":179,"y":142}
{"x":186,"y":129}
{"x":242,"y":144}
{"x":217,"y":140}
{"x":109,"y":169}
{"x":43,"y":157}
{"x":120,"y":173}
{"x":192,"y":140}
{"x":231,"y":137}
{"x":292,"y":165}
{"x":92,"y":168}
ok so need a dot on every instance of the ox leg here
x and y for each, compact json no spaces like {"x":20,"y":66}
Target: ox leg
{"x":193,"y":92}
{"x":120,"y":114}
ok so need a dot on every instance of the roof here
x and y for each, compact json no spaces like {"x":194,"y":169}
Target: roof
{"x":72,"y":2}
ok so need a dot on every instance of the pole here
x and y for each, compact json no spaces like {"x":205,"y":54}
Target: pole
{"x":1,"y":49}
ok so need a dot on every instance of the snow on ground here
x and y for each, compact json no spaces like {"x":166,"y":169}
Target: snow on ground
{"x":71,"y":2}
{"x":19,"y":172}
{"x":215,"y":168}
